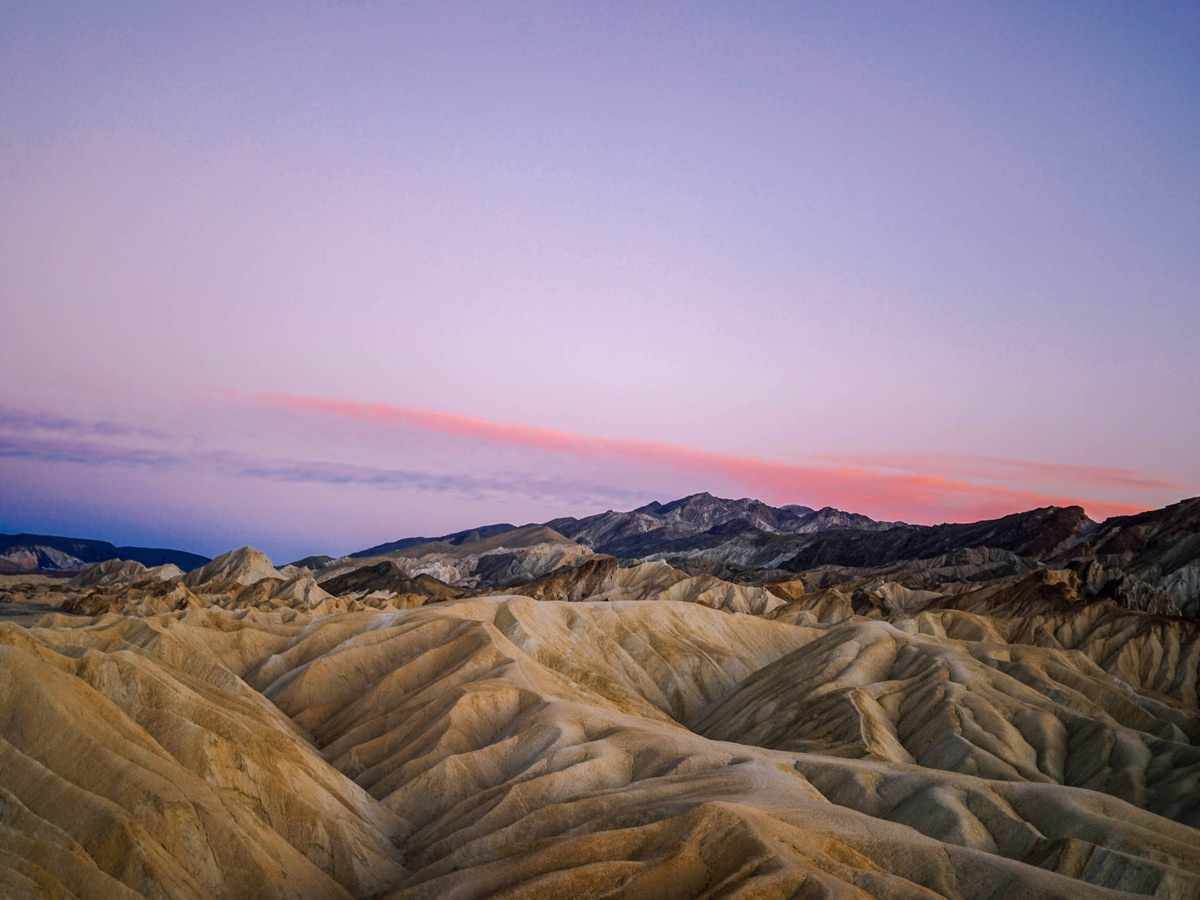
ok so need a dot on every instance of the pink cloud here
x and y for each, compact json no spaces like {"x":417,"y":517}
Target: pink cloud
{"x":995,"y":468}
{"x":908,"y":496}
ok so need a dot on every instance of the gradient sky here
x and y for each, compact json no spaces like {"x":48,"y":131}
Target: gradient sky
{"x":316,"y":276}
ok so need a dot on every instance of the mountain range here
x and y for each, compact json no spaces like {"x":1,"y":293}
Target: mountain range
{"x":1149,"y":561}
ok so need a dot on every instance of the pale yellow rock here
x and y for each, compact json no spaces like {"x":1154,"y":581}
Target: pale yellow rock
{"x":260,"y":740}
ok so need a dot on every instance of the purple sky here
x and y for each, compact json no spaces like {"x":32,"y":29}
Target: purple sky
{"x":318,"y":278}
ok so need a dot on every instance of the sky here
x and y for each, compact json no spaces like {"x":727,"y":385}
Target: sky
{"x":316,"y":276}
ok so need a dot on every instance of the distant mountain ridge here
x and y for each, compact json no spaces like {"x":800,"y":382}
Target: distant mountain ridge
{"x":1150,"y":561}
{"x":1038,"y":534}
{"x":496,"y":556}
{"x":648,"y":528}
{"x":22,"y":553}
{"x":654,"y":526}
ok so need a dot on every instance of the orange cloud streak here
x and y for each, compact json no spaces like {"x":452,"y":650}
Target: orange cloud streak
{"x":998,"y":468}
{"x":904,"y":496}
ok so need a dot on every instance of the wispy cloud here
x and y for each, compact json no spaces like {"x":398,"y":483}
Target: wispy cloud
{"x":911,"y":496}
{"x":996,"y":468}
{"x":294,"y":471}
{"x":28,"y":421}
{"x":111,"y":446}
{"x":86,"y":452}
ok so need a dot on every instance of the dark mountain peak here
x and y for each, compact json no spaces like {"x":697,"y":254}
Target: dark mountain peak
{"x":469,"y":536}
{"x":706,"y":503}
{"x":316,"y":563}
{"x":695,"y":503}
{"x":701,"y":497}
{"x":798,"y":509}
{"x":1184,"y":515}
{"x":702,"y":500}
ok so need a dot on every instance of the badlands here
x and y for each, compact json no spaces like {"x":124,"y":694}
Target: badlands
{"x":699,"y":699}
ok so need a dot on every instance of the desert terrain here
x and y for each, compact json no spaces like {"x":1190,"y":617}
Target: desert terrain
{"x":701,"y":699}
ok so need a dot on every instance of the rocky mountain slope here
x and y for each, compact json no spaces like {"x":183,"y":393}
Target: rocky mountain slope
{"x":1149,"y":562}
{"x":46,"y":553}
{"x":651,"y":527}
{"x":483,"y":558}
{"x":458,"y":538}
{"x":1143,"y":560}
{"x":640,"y":532}
{"x":387,"y":577}
{"x":1037,"y":534}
